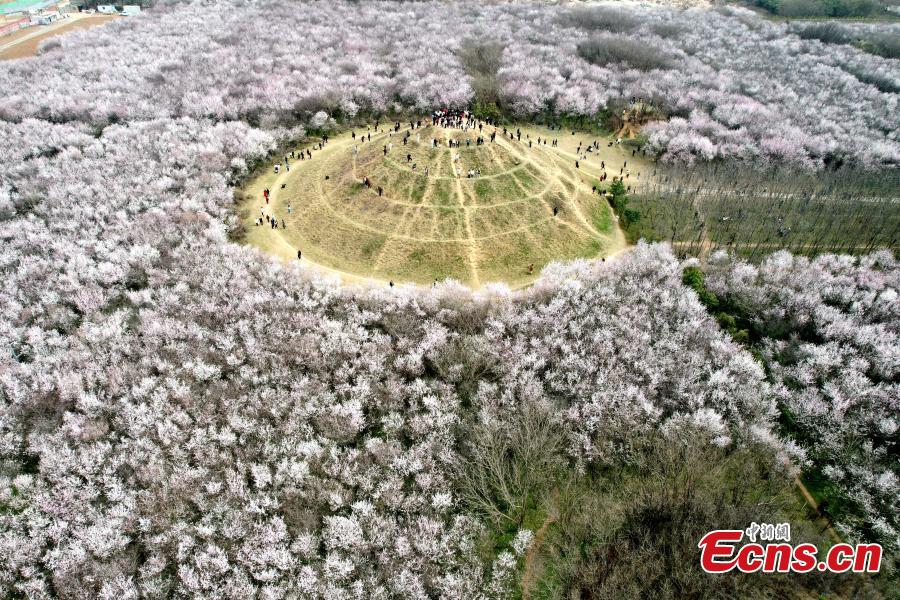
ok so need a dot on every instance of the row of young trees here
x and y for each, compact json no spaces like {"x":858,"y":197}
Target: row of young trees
{"x":734,"y":84}
{"x":755,"y":212}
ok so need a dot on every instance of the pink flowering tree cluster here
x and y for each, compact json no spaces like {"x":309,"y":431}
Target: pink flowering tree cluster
{"x":727,"y":84}
{"x":181,"y":416}
{"x":830,"y":340}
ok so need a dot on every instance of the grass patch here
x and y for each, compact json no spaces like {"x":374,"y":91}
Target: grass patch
{"x":601,"y":216}
{"x":371,"y":247}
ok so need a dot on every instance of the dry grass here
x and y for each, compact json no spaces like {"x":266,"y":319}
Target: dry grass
{"x":16,"y":35}
{"x":488,"y":228}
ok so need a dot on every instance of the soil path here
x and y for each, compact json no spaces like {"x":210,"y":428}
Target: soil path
{"x":529,"y":574}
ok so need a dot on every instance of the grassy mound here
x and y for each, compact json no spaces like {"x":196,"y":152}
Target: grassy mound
{"x":498,"y":225}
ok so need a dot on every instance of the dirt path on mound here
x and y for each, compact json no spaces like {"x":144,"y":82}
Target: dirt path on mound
{"x":472,"y":254}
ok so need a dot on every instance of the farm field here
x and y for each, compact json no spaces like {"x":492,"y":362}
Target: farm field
{"x":496,"y":226}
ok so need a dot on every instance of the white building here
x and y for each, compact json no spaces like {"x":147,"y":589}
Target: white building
{"x":45,"y":18}
{"x":107,"y":9}
{"x":130,"y":10}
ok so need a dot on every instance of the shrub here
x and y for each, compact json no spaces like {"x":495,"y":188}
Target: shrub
{"x":883,"y":83}
{"x":49,"y":45}
{"x":880,"y":43}
{"x":769,"y":5}
{"x":508,"y":464}
{"x":693,"y":278}
{"x":607,"y":18}
{"x":482,"y":61}
{"x":632,"y":533}
{"x":608,"y":49}
{"x":828,"y":33}
{"x":668,"y":29}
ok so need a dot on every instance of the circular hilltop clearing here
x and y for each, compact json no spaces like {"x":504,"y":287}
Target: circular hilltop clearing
{"x":497,"y":225}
